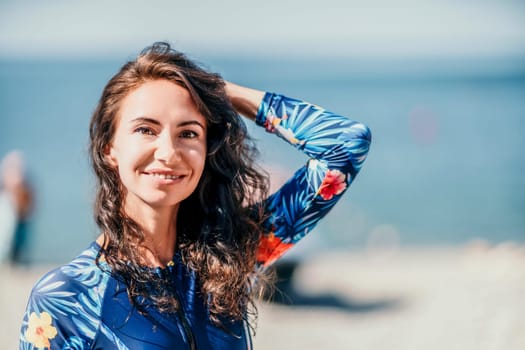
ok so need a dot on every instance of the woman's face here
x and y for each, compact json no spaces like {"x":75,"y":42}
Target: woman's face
{"x":159,"y":145}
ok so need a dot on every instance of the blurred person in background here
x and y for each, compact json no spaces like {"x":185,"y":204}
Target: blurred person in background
{"x":187,"y":226}
{"x":16,"y":204}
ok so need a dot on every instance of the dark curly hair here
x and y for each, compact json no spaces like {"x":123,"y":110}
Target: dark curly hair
{"x":218,"y":226}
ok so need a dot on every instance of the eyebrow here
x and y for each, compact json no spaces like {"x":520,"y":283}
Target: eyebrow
{"x":156,"y":122}
{"x":146,"y":120}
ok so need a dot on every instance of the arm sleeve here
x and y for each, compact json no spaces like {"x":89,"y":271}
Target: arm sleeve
{"x":49,"y":320}
{"x":336,"y":147}
{"x":64,"y":308}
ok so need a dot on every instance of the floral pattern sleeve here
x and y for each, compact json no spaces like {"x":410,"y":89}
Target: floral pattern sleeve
{"x":337,"y":148}
{"x":63,"y":311}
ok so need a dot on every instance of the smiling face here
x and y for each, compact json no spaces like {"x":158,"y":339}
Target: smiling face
{"x":159,"y":145}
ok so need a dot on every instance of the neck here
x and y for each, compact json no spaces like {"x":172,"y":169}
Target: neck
{"x":160,"y":230}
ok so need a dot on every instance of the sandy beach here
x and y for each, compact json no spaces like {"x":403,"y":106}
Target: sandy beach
{"x":465,"y":297}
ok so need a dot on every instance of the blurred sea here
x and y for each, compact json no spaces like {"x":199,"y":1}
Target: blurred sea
{"x":446,"y":166}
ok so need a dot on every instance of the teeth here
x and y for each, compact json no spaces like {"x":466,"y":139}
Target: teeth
{"x":166,"y":176}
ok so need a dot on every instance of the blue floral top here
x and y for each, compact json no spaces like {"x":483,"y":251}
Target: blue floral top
{"x":83,"y":306}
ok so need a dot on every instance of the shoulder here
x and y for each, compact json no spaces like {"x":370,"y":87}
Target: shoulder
{"x":77,"y":276}
{"x":68,"y":300}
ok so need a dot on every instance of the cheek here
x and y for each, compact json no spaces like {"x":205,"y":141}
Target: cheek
{"x":126,"y":177}
{"x":201,"y":163}
{"x":197,"y":159}
{"x":129,"y":162}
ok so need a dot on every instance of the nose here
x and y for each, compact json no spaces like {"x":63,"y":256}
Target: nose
{"x":166,"y":150}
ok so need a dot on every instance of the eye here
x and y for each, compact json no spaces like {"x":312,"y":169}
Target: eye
{"x":145,"y":131}
{"x":188,"y":134}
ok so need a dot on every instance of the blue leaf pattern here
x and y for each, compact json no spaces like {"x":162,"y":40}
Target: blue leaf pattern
{"x":75,"y":343}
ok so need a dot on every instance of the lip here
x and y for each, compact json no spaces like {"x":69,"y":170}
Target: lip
{"x":154,"y":174}
{"x":162,"y":172}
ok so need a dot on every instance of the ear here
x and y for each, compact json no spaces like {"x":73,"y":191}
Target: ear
{"x":109,"y":155}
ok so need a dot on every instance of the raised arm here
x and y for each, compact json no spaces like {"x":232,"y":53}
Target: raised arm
{"x":246,"y":101}
{"x":336,"y":146}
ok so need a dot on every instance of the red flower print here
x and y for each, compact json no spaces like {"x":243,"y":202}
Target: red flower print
{"x":333,"y":184}
{"x":271,"y":248}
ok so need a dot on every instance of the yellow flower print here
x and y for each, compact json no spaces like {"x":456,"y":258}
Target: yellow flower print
{"x":40,"y":330}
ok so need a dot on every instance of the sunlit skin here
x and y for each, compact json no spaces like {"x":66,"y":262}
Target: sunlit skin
{"x":159,"y":150}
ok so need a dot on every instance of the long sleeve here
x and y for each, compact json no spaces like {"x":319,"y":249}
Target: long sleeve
{"x":63,"y":311}
{"x":337,"y":148}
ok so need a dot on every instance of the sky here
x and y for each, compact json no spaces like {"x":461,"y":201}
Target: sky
{"x":374,"y":28}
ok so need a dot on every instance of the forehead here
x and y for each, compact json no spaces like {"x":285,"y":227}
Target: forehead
{"x":159,"y":99}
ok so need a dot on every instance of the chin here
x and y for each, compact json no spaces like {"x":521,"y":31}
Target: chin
{"x":163,"y":201}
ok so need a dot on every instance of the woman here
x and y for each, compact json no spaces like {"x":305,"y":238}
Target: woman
{"x":187,"y":227}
